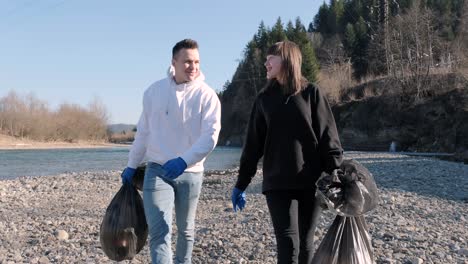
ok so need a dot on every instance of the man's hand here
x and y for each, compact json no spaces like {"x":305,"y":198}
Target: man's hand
{"x":238,"y":199}
{"x":127,"y":175}
{"x":174,"y":167}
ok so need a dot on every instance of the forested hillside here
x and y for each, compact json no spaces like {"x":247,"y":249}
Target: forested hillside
{"x":363,"y":51}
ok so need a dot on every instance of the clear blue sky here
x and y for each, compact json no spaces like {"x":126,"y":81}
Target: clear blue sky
{"x":76,"y":50}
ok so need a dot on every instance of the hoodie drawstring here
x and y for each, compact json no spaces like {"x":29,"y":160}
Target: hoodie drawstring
{"x":183,"y":106}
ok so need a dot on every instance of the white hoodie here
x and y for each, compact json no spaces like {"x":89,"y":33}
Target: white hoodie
{"x":177,"y":121}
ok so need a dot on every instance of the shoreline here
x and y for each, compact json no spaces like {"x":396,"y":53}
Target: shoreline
{"x":57,"y":145}
{"x":12,"y":143}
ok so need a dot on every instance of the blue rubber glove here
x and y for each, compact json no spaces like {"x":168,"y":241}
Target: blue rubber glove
{"x":127,"y":175}
{"x":238,"y":199}
{"x":174,"y":167}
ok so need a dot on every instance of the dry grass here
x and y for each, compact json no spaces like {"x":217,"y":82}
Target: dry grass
{"x":338,"y":84}
{"x":336,"y":79}
{"x":121,"y":137}
{"x":463,"y":72}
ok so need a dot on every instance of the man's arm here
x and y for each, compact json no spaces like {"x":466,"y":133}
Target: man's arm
{"x":138,"y":149}
{"x":210,"y":127}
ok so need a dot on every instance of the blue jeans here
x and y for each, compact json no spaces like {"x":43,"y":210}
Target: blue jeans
{"x":160,"y":196}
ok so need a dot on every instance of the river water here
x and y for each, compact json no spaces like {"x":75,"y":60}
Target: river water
{"x":16,"y":163}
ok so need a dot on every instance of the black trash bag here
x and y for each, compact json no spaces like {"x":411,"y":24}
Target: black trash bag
{"x":139,"y":177}
{"x":347,"y":242}
{"x":124,"y":231}
{"x":349,"y":191}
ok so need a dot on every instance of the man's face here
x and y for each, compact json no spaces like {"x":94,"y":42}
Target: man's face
{"x":186,"y":65}
{"x":273,"y":66}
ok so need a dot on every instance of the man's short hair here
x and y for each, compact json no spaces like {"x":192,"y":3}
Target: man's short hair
{"x":184,"y":44}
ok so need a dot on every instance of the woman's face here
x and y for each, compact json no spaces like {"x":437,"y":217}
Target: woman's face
{"x":273,"y":66}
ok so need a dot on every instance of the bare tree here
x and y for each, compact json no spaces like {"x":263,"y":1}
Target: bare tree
{"x":30,"y":117}
{"x":98,"y":119}
{"x":13,"y":114}
{"x":460,"y":45}
{"x":411,"y":44}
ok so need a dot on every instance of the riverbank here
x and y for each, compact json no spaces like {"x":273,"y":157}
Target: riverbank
{"x":7,"y":143}
{"x":421,"y":218}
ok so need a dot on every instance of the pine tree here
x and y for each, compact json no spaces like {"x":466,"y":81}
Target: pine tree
{"x":262,"y":38}
{"x":350,"y":37}
{"x":311,"y":28}
{"x":358,"y":55}
{"x":277,"y":32}
{"x":321,"y":20}
{"x":335,"y":16}
{"x":298,"y":35}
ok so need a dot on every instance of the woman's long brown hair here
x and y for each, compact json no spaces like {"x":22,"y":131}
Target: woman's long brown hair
{"x":291,"y":75}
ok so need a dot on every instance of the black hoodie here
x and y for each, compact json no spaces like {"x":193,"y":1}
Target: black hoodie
{"x":295,"y":134}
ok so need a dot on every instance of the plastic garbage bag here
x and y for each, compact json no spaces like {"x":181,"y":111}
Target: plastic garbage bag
{"x":346,"y":242}
{"x":349,"y":191}
{"x":124,"y":231}
{"x":139,"y":177}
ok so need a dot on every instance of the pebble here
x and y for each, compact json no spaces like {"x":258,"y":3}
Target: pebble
{"x":415,"y":260}
{"x":62,"y":235}
{"x":44,"y":260}
{"x":421,"y":217}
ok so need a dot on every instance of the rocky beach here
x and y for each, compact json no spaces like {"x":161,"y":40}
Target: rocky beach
{"x":421,"y":218}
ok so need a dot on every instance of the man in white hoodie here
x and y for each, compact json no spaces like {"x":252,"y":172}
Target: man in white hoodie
{"x":178,"y":128}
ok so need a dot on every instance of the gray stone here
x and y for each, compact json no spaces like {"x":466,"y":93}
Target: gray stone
{"x":403,"y":228}
{"x":463,"y":252}
{"x":415,"y":260}
{"x":61,"y":235}
{"x":43,"y":260}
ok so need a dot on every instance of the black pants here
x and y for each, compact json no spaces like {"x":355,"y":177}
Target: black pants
{"x":294,"y":215}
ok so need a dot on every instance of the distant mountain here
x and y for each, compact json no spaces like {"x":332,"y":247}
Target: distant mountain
{"x":118,"y":128}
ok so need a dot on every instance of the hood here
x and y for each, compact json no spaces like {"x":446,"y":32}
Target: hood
{"x":171,"y":74}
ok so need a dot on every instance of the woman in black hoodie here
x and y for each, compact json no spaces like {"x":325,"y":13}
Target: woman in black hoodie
{"x":292,"y":127}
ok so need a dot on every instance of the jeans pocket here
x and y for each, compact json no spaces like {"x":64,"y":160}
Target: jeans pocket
{"x":153,"y":172}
